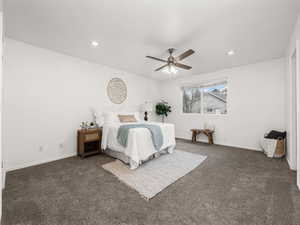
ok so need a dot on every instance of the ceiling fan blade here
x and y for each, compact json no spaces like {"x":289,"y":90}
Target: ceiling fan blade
{"x":182,"y":66}
{"x":185,"y":54}
{"x":161,"y":67}
{"x":161,"y":60}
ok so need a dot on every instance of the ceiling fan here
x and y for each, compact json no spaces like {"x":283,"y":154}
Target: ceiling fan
{"x":172,"y":62}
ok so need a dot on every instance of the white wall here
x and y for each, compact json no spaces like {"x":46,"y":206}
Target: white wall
{"x":290,"y":94}
{"x":47,"y":95}
{"x":255,"y":104}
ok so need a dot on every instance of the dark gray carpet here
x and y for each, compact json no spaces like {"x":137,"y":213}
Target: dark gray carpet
{"x":231,"y":186}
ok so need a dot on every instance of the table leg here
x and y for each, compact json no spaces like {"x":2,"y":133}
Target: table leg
{"x":210,"y":139}
{"x":194,"y":137}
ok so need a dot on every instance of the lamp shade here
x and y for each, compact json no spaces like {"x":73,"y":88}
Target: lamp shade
{"x":147,"y":107}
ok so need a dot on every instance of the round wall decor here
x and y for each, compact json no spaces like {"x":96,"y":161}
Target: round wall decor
{"x":117,"y":90}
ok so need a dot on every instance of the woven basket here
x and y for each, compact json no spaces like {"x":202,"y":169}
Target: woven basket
{"x":280,"y":149}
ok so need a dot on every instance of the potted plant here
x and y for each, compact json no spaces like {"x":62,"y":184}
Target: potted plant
{"x":162,"y":109}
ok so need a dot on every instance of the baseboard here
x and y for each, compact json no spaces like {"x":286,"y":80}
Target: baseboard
{"x":240,"y":146}
{"x":37,"y":162}
{"x":292,"y":167}
{"x":3,"y":178}
{"x":228,"y":145}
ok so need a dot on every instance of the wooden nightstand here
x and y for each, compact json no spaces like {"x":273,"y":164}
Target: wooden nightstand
{"x":89,"y":141}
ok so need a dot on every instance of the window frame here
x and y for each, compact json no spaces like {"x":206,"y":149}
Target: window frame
{"x":203,"y":85}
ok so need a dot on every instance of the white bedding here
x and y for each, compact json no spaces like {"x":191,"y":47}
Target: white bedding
{"x":140,"y":145}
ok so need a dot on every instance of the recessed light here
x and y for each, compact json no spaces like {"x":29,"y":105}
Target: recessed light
{"x":94,"y":43}
{"x":231,"y":52}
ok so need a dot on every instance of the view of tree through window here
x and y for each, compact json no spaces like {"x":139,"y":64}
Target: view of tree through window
{"x":210,"y":99}
{"x":192,"y":100}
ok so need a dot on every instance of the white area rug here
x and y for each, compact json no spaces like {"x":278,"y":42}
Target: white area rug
{"x":154,"y":176}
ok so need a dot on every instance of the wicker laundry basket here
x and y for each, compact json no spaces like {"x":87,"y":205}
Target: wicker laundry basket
{"x":273,"y":148}
{"x":280,"y":148}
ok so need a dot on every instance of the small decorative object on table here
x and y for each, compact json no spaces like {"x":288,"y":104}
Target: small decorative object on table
{"x":92,"y":125}
{"x":84,"y":125}
{"x":89,"y":141}
{"x":162,"y":109}
{"x":88,"y":125}
{"x":147,"y":107}
{"x":207,"y":132}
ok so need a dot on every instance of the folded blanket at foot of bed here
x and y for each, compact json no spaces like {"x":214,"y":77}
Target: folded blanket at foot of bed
{"x":155,"y":131}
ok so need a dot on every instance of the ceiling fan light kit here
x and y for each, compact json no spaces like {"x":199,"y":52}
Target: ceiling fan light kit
{"x":170,"y":69}
{"x":173,"y":62}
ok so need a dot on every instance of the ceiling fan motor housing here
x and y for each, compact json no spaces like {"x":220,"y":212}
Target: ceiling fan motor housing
{"x":171,"y":59}
{"x":171,"y":50}
{"x":174,"y":61}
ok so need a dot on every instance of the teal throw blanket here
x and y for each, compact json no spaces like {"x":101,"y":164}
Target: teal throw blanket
{"x":155,"y":131}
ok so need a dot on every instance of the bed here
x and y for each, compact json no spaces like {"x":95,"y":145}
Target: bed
{"x":140,"y":147}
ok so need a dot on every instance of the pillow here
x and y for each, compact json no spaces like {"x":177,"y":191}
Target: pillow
{"x":127,"y":118}
{"x":135,"y":114}
{"x":109,"y":117}
{"x":112,"y":117}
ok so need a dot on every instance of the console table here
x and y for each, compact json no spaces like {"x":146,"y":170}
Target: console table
{"x":207,"y":132}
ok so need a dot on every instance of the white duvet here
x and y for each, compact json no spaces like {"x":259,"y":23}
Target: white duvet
{"x":140,"y":145}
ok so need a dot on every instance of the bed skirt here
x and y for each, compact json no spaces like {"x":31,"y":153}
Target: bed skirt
{"x":133,"y":165}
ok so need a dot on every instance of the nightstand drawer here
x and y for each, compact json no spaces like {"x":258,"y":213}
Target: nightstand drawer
{"x":91,"y":137}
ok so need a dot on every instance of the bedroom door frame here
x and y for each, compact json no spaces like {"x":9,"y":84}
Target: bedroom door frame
{"x":294,"y":70}
{"x":298,"y":110}
{"x":2,"y":173}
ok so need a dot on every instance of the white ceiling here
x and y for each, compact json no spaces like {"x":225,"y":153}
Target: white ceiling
{"x":128,"y":30}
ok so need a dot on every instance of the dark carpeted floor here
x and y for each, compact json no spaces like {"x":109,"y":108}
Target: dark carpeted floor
{"x":232,"y":186}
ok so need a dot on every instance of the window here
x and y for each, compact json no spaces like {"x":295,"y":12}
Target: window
{"x":192,"y":100}
{"x":206,"y":99}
